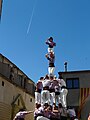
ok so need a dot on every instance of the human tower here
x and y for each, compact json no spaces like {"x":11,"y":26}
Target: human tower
{"x":50,"y":89}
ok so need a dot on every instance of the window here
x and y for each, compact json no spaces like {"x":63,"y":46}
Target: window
{"x":18,"y":102}
{"x":20,"y":79}
{"x":2,"y":83}
{"x":72,"y":83}
{"x":24,"y":82}
{"x":30,"y":99}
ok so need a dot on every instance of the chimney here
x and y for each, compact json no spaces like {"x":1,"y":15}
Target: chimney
{"x":65,"y":66}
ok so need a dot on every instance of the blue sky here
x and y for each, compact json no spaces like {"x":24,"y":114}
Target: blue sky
{"x":67,"y":21}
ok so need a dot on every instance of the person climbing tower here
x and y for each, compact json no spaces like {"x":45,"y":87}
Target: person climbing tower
{"x":63,"y":91}
{"x":51,"y":57}
{"x":50,"y":44}
{"x":45,"y":94}
{"x":38,"y":90}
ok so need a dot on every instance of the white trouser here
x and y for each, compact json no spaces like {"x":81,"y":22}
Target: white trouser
{"x":57,"y":99}
{"x":51,"y":70}
{"x":45,"y":97}
{"x":52,"y":98}
{"x":42,"y":118}
{"x":63,"y":94}
{"x":51,"y":50}
{"x":37,"y":97}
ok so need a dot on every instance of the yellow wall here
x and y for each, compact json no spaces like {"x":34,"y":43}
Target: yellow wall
{"x":8,"y":93}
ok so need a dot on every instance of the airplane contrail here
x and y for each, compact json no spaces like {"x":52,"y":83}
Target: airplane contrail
{"x":29,"y":26}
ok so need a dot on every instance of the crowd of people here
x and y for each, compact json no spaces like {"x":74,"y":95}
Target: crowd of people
{"x":50,"y":94}
{"x":50,"y":100}
{"x":55,"y":112}
{"x":50,"y":89}
{"x":48,"y":112}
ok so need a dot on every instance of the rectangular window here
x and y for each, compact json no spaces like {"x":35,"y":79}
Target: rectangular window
{"x":76,"y":83}
{"x":30,"y":99}
{"x":18,"y":102}
{"x":69,"y":83}
{"x":20,"y":79}
{"x":2,"y":83}
{"x":72,"y":83}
